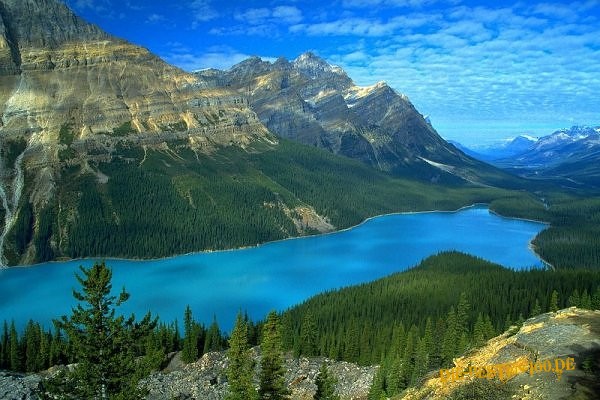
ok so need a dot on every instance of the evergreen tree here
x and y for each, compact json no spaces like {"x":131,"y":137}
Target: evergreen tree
{"x":104,"y":344}
{"x":214,"y":340}
{"x":586,"y":300}
{"x":325,"y":385}
{"x":537,"y":310}
{"x":14,"y":352}
{"x":478,"y":331}
{"x":507,"y":322}
{"x":272,"y":382}
{"x":32,"y":341}
{"x":428,"y":340}
{"x":488,"y":327}
{"x":378,"y":388}
{"x":450,"y":338}
{"x":189,"y":353}
{"x":4,"y":347}
{"x":240,"y":369}
{"x":406,"y":371}
{"x":421,"y":362}
{"x":574,"y":299}
{"x":596,"y":299}
{"x":553,"y":301}
{"x":308,"y":336}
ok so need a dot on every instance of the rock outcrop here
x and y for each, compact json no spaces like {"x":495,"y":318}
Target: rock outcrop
{"x":206,"y":378}
{"x":567,"y":334}
{"x":67,"y":85}
{"x":19,"y":386}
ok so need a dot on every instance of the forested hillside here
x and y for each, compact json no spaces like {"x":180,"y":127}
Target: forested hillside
{"x":420,"y":319}
{"x":409,"y":323}
{"x":186,"y":201}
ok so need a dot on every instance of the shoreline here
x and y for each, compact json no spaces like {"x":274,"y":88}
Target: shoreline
{"x":135,"y":259}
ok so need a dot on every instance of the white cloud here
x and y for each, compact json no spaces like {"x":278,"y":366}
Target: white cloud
{"x":486,"y":63}
{"x":155,"y":18}
{"x":219,"y":57}
{"x":93,"y":5}
{"x":287,"y":14}
{"x":202,"y":11}
{"x":262,"y":21}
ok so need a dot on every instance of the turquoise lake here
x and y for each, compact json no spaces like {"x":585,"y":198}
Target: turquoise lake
{"x":275,"y":275}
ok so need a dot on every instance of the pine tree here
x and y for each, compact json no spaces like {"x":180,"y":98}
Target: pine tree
{"x":240,"y":369}
{"x":104,"y":345}
{"x":462,"y":323}
{"x":378,"y":388}
{"x":537,"y":309}
{"x":272,"y":382}
{"x":408,"y":355}
{"x":32,"y":339}
{"x":4,"y":346}
{"x":596,"y":299}
{"x":450,"y":338}
{"x":478,"y":331}
{"x":14,"y":352}
{"x":214,"y":340}
{"x":574,"y":299}
{"x":189,"y":353}
{"x":586,"y":300}
{"x":553,"y":301}
{"x":308,"y":336}
{"x":421,"y":362}
{"x":325,"y":385}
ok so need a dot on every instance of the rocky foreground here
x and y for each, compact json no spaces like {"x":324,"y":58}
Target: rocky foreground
{"x":206,"y":379}
{"x":542,"y":340}
{"x":569,"y":334}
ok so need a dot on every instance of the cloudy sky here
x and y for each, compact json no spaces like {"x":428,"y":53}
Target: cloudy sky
{"x":480,"y":70}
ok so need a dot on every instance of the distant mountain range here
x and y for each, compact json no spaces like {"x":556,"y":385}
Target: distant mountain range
{"x":570,"y":156}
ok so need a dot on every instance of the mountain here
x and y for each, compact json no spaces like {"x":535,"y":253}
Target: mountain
{"x":72,"y":95}
{"x":502,"y":150}
{"x":567,"y":155}
{"x":106,"y":150}
{"x":315,"y":103}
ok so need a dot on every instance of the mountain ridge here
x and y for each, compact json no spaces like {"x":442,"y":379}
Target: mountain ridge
{"x":569,"y":156}
{"x":88,"y":125}
{"x":316,"y":103}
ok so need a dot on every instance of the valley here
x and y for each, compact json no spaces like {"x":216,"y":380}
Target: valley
{"x":313,"y":224}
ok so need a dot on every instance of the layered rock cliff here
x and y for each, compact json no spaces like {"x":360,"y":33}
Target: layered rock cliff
{"x":70,"y":94}
{"x":316,"y":103}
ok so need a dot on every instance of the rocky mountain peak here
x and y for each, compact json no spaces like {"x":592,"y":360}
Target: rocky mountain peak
{"x":315,"y":67}
{"x":45,"y":24}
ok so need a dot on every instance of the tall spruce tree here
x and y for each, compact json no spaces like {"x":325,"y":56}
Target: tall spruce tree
{"x":272,"y":373}
{"x":308,"y":336}
{"x":14,"y":350}
{"x":104,"y":344}
{"x":325,"y":382}
{"x":240,"y":369}
{"x":553,"y":301}
{"x":214,"y":339}
{"x":189,"y":353}
{"x":4,"y":346}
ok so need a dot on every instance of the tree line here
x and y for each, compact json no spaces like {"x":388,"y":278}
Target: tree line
{"x":408,"y":323}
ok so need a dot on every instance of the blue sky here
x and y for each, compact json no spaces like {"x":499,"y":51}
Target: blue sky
{"x":480,"y":70}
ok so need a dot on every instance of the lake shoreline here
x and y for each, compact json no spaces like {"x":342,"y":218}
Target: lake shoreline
{"x":366,"y":220}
